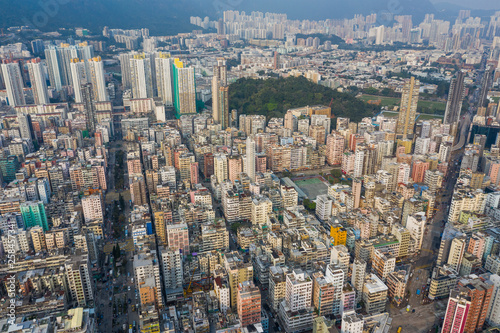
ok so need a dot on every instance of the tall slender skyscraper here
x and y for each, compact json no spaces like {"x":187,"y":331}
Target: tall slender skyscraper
{"x":163,"y":63}
{"x":126,"y":69}
{"x":455,"y":99}
{"x":224,"y":106}
{"x":89,"y":103}
{"x":184,"y":89}
{"x":38,"y":82}
{"x":79,"y":78}
{"x":408,"y":109}
{"x":250,"y":158}
{"x":220,"y":109}
{"x":14,"y":82}
{"x":97,"y":79}
{"x":141,"y":76}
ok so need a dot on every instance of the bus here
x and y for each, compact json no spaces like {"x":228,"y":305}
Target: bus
{"x":400,"y":329}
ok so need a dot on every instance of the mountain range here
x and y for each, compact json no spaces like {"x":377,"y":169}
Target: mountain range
{"x":171,"y":17}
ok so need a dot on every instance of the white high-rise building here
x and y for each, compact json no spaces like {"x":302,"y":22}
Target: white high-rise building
{"x":298,"y":290}
{"x":79,"y":77}
{"x":38,"y":82}
{"x":220,"y":167}
{"x":336,"y":274}
{"x":339,"y":255}
{"x":457,"y":250}
{"x":352,"y":323}
{"x":358,"y":275}
{"x":141,"y":76}
{"x":163,"y":64}
{"x":250,"y":158}
{"x":43,"y":190}
{"x":59,"y":62}
{"x":14,"y":82}
{"x":92,"y":207}
{"x":416,"y":226}
{"x":324,"y":204}
{"x":97,"y":79}
{"x":171,"y":267}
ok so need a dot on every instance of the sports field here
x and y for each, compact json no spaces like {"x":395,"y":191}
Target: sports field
{"x":312,"y":187}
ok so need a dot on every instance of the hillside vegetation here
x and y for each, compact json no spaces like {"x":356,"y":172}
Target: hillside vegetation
{"x":273,"y":97}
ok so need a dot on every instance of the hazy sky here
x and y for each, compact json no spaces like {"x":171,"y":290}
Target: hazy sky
{"x":476,"y":4}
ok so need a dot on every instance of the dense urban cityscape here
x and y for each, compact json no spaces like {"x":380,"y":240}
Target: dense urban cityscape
{"x":258,"y":174}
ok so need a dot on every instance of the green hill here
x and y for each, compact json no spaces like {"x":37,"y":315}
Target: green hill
{"x":273,"y":97}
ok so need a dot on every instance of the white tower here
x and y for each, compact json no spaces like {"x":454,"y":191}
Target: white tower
{"x":14,"y":83}
{"x":250,"y":158}
{"x":38,"y":82}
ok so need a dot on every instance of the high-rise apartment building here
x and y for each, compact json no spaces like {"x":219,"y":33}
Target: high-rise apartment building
{"x":38,"y":82}
{"x":238,"y":271}
{"x":250,"y":158}
{"x":335,"y":143}
{"x":408,"y":108}
{"x":25,"y":126}
{"x":141,"y":76}
{"x":80,"y":283}
{"x":148,"y":279}
{"x":295,"y":312}
{"x":184,"y":89}
{"x":96,"y":77}
{"x":59,"y":59}
{"x":323,"y":293}
{"x":33,"y":213}
{"x":298,"y":290}
{"x":455,"y":99}
{"x":337,"y":277}
{"x":13,"y":80}
{"x":384,"y":263}
{"x":374,"y":294}
{"x":171,"y":267}
{"x":456,"y":253}
{"x":480,"y":292}
{"x":178,"y":237}
{"x":92,"y":206}
{"x":163,"y":63}
{"x":88,"y":101}
{"x":493,"y":316}
{"x":358,"y":275}
{"x":79,"y":77}
{"x":277,"y":285}
{"x":248,"y":299}
{"x":456,"y":312}
{"x":220,"y":105}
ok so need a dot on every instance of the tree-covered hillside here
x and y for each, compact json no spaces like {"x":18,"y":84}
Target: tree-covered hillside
{"x":272,"y":97}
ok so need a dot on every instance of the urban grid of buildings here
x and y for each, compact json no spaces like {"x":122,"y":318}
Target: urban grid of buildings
{"x":131,"y":204}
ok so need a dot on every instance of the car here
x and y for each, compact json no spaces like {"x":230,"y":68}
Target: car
{"x":109,"y":305}
{"x":128,"y":288}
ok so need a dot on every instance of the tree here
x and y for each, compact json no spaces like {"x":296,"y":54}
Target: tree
{"x":273,"y":97}
{"x":235,"y":226}
{"x":309,"y":205}
{"x":118,"y":251}
{"x":122,"y":202}
{"x":336,"y":173}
